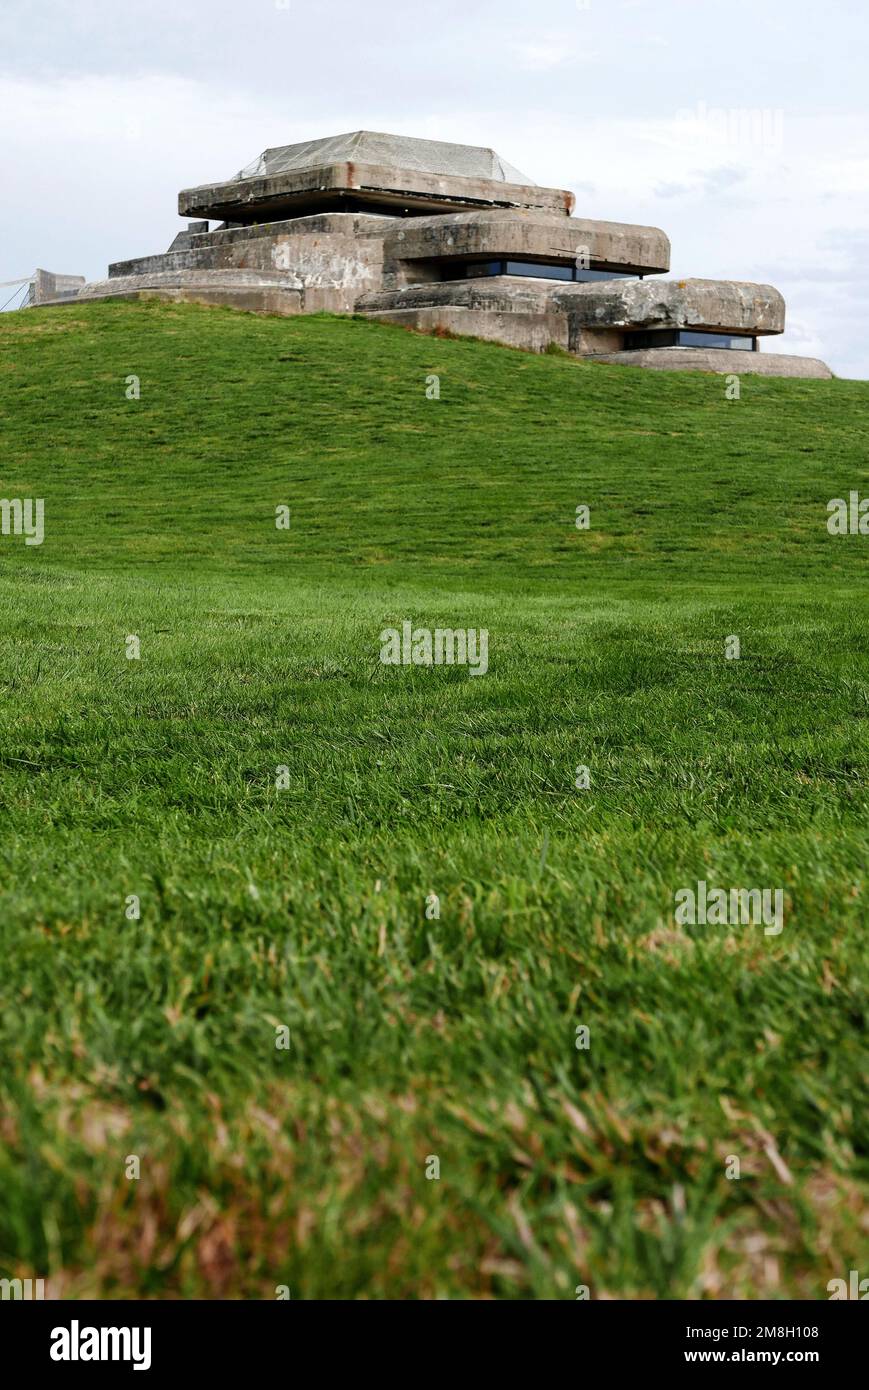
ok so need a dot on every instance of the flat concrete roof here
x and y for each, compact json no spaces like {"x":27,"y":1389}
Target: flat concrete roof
{"x":365,"y":168}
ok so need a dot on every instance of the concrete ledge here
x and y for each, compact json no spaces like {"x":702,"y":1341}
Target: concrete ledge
{"x":734,"y":306}
{"x":521,"y":234}
{"x":721,"y":360}
{"x":244,"y":200}
{"x":240,"y":289}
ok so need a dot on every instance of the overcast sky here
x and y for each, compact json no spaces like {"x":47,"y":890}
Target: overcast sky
{"x":739,"y":126}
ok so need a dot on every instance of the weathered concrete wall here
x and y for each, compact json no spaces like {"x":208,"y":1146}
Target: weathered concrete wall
{"x":339,"y":263}
{"x":532,"y":331}
{"x":331,"y":258}
{"x":495,"y":293}
{"x":520,"y":235}
{"x":515,"y":311}
{"x":733,"y":305}
{"x":49,"y":286}
{"x":236,"y":245}
{"x":588,"y":340}
{"x":718,"y":360}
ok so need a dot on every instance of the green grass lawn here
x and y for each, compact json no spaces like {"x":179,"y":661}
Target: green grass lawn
{"x":412,"y":1036}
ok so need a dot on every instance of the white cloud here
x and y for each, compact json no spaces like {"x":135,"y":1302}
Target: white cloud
{"x":541,"y":56}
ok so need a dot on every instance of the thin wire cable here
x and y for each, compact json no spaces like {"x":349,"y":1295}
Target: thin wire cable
{"x":17,"y":292}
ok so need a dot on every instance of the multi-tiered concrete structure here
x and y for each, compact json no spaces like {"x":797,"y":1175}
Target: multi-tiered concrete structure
{"x":449,"y":237}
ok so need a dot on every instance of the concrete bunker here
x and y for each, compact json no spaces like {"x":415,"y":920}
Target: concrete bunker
{"x":441,"y":236}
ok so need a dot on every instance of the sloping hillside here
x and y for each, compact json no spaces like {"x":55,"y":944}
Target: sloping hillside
{"x":238,"y":413}
{"x":396,"y":863}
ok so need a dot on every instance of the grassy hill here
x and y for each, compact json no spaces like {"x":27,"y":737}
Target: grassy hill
{"x":304,"y":905}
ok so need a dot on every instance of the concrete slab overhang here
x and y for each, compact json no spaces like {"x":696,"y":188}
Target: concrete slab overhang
{"x":714,"y":305}
{"x":595,"y":320}
{"x":732,"y":306}
{"x":525,"y":234}
{"x":292,"y":192}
